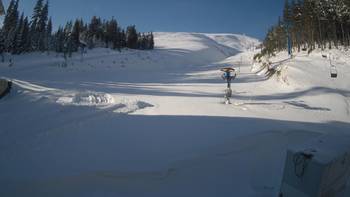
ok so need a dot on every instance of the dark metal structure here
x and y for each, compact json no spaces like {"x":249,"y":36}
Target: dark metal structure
{"x":228,"y":75}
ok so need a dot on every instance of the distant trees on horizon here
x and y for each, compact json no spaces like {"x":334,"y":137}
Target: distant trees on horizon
{"x":310,"y":24}
{"x":20,"y":34}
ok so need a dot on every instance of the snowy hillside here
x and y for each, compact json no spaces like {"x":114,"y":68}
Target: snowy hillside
{"x":196,"y":48}
{"x":236,"y":41}
{"x":153,"y":123}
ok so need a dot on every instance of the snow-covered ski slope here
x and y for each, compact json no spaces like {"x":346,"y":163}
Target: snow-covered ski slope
{"x":153,"y":123}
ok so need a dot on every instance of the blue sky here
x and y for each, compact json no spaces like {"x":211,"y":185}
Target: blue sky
{"x":250,"y":17}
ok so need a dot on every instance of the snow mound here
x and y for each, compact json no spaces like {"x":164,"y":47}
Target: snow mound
{"x":102,"y":100}
{"x":87,"y":99}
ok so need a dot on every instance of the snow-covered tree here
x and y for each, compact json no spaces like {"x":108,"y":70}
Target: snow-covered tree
{"x":38,"y":25}
{"x":315,"y":23}
{"x":21,"y":35}
{"x":35,"y":26}
{"x":10,"y":25}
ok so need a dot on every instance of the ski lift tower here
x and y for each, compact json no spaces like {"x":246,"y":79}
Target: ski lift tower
{"x":229,"y":74}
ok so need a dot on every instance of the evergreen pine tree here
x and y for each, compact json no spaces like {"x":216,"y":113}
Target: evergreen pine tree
{"x":59,"y":40}
{"x":18,"y":42}
{"x":77,"y":29}
{"x":11,"y":17}
{"x":68,"y":46}
{"x":37,"y":12}
{"x":151,"y":41}
{"x":322,"y":22}
{"x":25,"y":35}
{"x":48,"y":36}
{"x":20,"y":35}
{"x":122,"y":39}
{"x":131,"y":37}
{"x":140,"y":41}
{"x":112,"y":34}
{"x":35,"y":28}
{"x":93,"y":31}
{"x":42,"y":32}
{"x":287,"y":13}
{"x":10,"y":25}
{"x":2,"y":46}
{"x":2,"y":9}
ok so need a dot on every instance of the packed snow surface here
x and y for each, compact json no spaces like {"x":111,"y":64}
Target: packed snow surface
{"x":154,"y":123}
